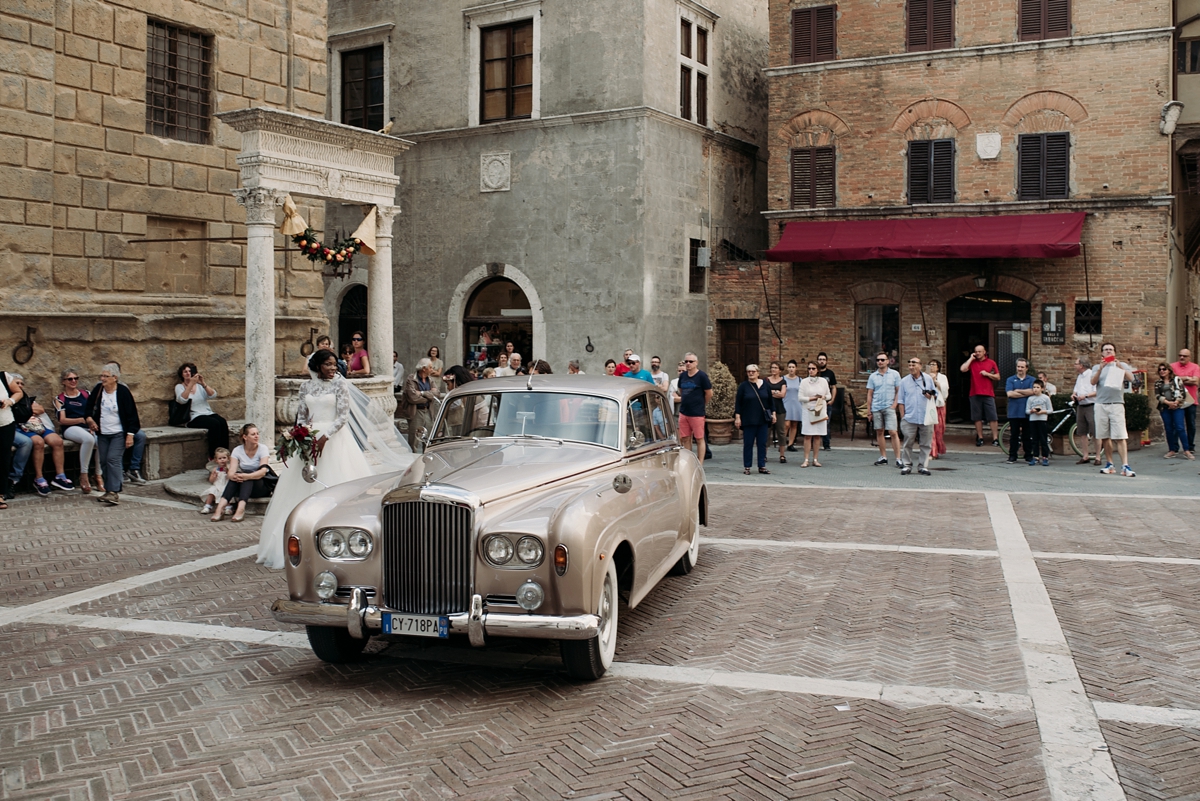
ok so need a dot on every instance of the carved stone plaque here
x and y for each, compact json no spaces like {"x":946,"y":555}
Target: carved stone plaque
{"x":987,"y":145}
{"x":495,"y":172}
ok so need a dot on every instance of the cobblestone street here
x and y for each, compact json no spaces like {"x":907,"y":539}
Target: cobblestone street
{"x":867,"y":638}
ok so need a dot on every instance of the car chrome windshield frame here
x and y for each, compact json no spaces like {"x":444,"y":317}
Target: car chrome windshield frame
{"x":617,"y":401}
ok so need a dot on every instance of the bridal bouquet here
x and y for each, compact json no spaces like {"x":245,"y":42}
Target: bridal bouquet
{"x":299,"y":440}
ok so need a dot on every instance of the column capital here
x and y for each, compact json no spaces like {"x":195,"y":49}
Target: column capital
{"x":260,"y":204}
{"x":387,"y":216}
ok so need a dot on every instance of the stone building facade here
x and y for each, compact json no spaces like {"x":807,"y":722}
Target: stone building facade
{"x":570,"y":162}
{"x":107,"y":136}
{"x":863,"y":95}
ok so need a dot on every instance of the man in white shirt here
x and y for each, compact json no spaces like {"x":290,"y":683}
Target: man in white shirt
{"x":397,"y":374}
{"x":673,"y":387}
{"x":661,"y":379}
{"x":1084,"y":395}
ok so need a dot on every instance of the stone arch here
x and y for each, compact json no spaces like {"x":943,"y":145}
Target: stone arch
{"x":813,"y":128}
{"x":462,"y":294}
{"x":931,"y":118}
{"x":877,"y":290}
{"x":1036,"y":111}
{"x":1009,"y":284}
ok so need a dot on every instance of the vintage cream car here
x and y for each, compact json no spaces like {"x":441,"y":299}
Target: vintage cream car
{"x":537,"y":504}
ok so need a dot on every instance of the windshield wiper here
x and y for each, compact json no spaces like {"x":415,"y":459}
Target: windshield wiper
{"x":539,"y":436}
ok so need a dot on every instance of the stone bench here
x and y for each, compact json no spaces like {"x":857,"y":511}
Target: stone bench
{"x":189,"y":486}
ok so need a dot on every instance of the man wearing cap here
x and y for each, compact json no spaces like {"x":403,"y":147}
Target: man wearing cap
{"x":636,"y":371}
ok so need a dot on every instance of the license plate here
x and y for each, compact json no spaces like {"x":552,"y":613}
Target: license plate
{"x":416,"y":625}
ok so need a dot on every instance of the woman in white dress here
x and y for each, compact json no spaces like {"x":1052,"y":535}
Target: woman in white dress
{"x":324,"y":408}
{"x":814,"y":398}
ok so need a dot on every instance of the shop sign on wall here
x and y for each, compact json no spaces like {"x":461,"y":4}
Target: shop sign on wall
{"x":1054,"y":323}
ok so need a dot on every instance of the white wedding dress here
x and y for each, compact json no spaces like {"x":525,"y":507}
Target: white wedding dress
{"x":324,"y":408}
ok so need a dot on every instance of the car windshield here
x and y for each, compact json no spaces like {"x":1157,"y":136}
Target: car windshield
{"x":553,"y":415}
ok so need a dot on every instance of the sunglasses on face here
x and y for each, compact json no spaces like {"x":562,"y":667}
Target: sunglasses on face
{"x":71,"y":378}
{"x":356,"y":339}
{"x":881,"y":360}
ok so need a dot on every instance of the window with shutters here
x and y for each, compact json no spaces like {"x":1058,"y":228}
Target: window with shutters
{"x":362,"y":88}
{"x":1088,"y":316}
{"x":813,"y":170}
{"x":931,"y":171}
{"x":1044,"y":19}
{"x":694,"y":68}
{"x":1187,"y":56}
{"x":1043,"y":166}
{"x":930,"y":24}
{"x":507,"y":72}
{"x":814,"y":34}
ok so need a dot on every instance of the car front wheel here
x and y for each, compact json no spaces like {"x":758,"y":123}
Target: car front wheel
{"x":688,"y":560}
{"x":335,"y":645}
{"x":588,"y":659}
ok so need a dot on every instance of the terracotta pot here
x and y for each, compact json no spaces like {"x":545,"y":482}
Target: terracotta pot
{"x":720,"y":432}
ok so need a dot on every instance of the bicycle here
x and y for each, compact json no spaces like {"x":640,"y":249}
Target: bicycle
{"x":1060,"y":427}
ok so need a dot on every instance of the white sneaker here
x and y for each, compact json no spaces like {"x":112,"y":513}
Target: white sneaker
{"x":1127,"y":471}
{"x":206,"y":509}
{"x":1108,"y":469}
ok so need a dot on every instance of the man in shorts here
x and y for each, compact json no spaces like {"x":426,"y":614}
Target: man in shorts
{"x":1189,"y":372}
{"x":1084,"y":395}
{"x":1109,"y":377}
{"x":695,"y":391}
{"x":881,"y":398}
{"x":983,"y":393}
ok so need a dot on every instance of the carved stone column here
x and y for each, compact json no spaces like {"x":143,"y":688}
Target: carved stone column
{"x":260,"y":206}
{"x":381,"y":326}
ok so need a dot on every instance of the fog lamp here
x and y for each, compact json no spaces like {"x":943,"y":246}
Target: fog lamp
{"x":530,"y":596}
{"x":326,"y":585}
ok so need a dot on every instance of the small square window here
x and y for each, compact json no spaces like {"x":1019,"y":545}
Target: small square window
{"x":1088,"y":317}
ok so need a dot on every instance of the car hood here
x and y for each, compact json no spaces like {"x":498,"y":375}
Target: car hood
{"x":497,"y":468}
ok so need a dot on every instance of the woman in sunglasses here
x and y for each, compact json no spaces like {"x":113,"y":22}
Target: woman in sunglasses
{"x":360,"y":360}
{"x":72,"y":416}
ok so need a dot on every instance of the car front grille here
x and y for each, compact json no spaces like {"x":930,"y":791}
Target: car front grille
{"x":427,"y":558}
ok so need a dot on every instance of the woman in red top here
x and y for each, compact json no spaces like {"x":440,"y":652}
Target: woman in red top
{"x":360,"y":361}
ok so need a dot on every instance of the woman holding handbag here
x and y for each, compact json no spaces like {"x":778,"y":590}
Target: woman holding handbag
{"x":1172,"y":397}
{"x":814,"y":398}
{"x":943,"y":392}
{"x":753,"y":413}
{"x":9,"y":395}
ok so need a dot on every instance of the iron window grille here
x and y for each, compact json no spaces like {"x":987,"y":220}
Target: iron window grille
{"x":362,"y":88}
{"x":178,"y":83}
{"x":1088,"y":317}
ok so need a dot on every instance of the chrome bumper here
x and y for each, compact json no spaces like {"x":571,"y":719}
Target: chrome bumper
{"x":362,"y":620}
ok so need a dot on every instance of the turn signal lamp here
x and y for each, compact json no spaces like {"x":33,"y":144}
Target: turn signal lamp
{"x":293,"y":550}
{"x":560,"y":559}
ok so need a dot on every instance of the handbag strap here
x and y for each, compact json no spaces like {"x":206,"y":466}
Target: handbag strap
{"x":759,"y":397}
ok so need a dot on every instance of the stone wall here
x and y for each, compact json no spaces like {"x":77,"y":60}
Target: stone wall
{"x":82,"y":178}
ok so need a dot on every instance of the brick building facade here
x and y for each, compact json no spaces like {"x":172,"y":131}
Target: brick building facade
{"x":868,"y":121}
{"x":108,"y":136}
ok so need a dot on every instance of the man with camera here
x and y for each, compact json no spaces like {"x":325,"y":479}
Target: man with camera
{"x":916,"y":396}
{"x":1109,"y":378}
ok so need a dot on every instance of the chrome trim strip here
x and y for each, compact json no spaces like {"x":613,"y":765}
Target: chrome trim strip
{"x":548,"y":627}
{"x":475,"y":621}
{"x":354,"y":614}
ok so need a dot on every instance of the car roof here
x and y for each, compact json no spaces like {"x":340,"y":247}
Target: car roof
{"x":615,"y":387}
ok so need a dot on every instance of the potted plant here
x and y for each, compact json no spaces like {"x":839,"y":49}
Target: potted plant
{"x":1137,"y":418}
{"x":720,"y":408}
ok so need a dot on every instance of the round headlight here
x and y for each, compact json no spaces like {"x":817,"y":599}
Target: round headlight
{"x":530,"y":550}
{"x":530,"y":596}
{"x":499,"y":550}
{"x":326,"y":585}
{"x":359,"y":542}
{"x":332,"y":543}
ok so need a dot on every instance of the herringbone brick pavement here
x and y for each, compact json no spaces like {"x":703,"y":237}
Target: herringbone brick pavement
{"x":1133,"y":628}
{"x":1155,"y":762}
{"x":69,"y":542}
{"x":896,"y":618}
{"x":119,"y":716}
{"x":869,"y":516}
{"x":1117,"y":526}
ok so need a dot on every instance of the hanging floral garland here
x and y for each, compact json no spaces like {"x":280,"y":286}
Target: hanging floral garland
{"x":339,"y":255}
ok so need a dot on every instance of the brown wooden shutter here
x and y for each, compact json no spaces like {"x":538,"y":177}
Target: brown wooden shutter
{"x":941,"y":26}
{"x":823,"y":176}
{"x":825,"y":33}
{"x":1030,"y":23}
{"x":941,"y":180}
{"x":801,"y":178}
{"x":802,"y":36}
{"x":918,"y":171}
{"x":918,"y":25}
{"x":1029,"y":167}
{"x":1057,"y":165}
{"x":1058,"y":19}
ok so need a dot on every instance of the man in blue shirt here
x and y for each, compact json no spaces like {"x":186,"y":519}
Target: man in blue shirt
{"x":916,"y":392}
{"x":1019,"y":387}
{"x":636,"y":371}
{"x":881,"y":398}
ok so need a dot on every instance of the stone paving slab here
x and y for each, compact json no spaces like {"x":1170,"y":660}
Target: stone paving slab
{"x":68,"y":542}
{"x":1120,"y":526}
{"x":1155,"y":762}
{"x":950,"y":520}
{"x":1133,"y":628}
{"x":134,"y":717}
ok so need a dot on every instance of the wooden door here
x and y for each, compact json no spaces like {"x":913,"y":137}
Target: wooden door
{"x":739,"y":345}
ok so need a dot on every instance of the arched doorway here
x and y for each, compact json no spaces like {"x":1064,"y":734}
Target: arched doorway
{"x":497,"y":312}
{"x":352,"y":316}
{"x":996,"y":320}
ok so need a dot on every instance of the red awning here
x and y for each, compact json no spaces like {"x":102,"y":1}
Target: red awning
{"x":1016,"y":236}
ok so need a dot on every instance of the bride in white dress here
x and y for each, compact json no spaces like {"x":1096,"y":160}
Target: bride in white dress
{"x":326,"y":407}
